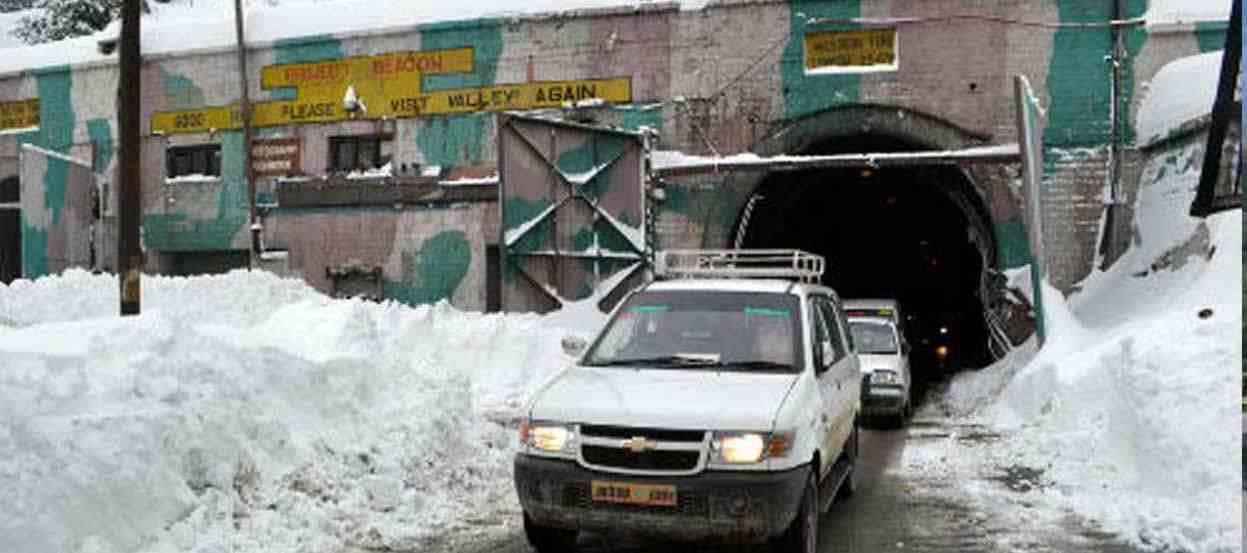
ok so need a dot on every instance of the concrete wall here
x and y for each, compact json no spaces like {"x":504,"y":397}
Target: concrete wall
{"x":737,"y":69}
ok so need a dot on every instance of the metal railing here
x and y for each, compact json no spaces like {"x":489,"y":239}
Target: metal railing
{"x":783,"y":264}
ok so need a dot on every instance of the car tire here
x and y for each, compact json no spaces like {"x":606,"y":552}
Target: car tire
{"x":545,"y":539}
{"x":801,"y":536}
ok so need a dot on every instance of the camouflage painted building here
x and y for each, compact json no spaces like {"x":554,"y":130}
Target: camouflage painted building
{"x":763,"y":76}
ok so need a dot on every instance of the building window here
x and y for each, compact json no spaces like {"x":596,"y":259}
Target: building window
{"x":350,"y":153}
{"x":194,"y":160}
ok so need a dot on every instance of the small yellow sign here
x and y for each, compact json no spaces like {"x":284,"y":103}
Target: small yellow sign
{"x":20,"y":114}
{"x":850,"y":49}
{"x":196,"y":120}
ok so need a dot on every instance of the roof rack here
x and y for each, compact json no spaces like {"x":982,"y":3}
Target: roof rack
{"x":785,"y":264}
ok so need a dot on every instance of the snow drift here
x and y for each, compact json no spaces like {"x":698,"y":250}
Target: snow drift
{"x":1132,"y":406}
{"x":249,"y":413}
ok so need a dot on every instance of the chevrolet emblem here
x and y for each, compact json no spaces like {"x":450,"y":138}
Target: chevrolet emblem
{"x":638,"y":444}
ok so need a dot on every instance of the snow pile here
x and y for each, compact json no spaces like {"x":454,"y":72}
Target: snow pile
{"x":1183,"y":90}
{"x":1131,"y":408}
{"x":249,"y":413}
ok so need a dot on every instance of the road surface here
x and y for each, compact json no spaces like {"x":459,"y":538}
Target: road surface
{"x":897,"y":509}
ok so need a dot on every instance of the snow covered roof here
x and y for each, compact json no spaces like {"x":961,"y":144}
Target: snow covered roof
{"x":183,"y":27}
{"x":1181,"y":92}
{"x":1171,"y":12}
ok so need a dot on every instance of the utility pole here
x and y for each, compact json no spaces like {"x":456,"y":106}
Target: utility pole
{"x":244,"y":110}
{"x":129,"y":253}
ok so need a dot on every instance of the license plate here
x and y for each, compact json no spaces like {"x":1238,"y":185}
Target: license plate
{"x":634,"y":494}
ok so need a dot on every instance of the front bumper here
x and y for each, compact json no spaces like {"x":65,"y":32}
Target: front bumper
{"x":714,"y":507}
{"x":884,"y":400}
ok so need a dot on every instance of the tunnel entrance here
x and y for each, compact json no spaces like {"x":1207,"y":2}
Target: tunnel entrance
{"x":917,"y":233}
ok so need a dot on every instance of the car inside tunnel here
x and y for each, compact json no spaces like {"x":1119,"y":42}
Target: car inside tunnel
{"x":888,"y":232}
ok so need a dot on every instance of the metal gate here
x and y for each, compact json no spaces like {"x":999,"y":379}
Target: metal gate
{"x":573,"y":209}
{"x":57,"y":211}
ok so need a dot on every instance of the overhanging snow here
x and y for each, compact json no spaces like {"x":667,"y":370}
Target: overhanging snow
{"x":671,"y":163}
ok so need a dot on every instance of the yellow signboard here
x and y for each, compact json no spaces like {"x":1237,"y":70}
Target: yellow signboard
{"x":854,"y":49}
{"x":196,"y":120}
{"x":386,"y":86}
{"x":20,"y":114}
{"x":395,"y":65}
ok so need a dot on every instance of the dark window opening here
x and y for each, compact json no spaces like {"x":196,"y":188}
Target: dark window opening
{"x":351,"y":153}
{"x":493,"y":279}
{"x":194,"y":160}
{"x":10,"y":231}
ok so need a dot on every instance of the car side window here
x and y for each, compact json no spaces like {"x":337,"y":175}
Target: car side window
{"x":835,"y":328}
{"x":820,"y":333}
{"x":844,"y":326}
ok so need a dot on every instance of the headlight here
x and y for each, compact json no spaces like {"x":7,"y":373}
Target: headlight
{"x":549,"y":437}
{"x":885,"y":378}
{"x":739,"y":448}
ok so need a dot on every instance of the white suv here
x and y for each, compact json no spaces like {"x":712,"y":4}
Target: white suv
{"x":707,"y":409}
{"x":884,"y":355}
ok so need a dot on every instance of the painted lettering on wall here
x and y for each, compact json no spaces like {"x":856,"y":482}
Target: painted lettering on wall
{"x":388,"y":86}
{"x":850,"y":49}
{"x":21,"y":114}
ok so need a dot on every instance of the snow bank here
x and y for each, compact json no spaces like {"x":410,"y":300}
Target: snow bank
{"x":1183,"y":90}
{"x":245,"y":412}
{"x":1132,"y":406}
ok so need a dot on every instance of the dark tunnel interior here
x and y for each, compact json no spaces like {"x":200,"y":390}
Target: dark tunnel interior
{"x":891,"y":232}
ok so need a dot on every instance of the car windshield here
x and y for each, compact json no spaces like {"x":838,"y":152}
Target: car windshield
{"x":743,"y":331}
{"x":873,"y":337}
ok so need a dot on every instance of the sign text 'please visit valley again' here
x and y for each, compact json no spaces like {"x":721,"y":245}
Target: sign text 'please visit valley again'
{"x":387,"y":86}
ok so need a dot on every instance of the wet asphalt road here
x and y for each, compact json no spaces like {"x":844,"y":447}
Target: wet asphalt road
{"x":894,"y":511}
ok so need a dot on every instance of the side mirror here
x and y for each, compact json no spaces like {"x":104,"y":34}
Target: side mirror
{"x":574,"y":345}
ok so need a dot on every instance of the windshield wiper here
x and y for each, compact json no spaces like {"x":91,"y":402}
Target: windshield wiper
{"x":660,"y":361}
{"x":759,"y":364}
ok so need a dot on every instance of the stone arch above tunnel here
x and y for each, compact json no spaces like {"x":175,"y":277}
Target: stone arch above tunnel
{"x":798,"y":135}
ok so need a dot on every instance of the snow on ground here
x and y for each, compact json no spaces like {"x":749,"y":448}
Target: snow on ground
{"x":249,"y":413}
{"x":1131,"y":408}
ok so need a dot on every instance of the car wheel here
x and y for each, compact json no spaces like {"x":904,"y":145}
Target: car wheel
{"x":549,"y":540}
{"x":801,"y":535}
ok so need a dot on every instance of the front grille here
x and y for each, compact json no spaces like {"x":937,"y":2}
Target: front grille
{"x":576,"y":495}
{"x":656,"y":434}
{"x":647,"y":460}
